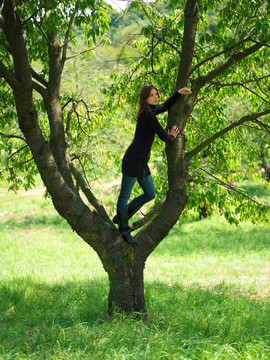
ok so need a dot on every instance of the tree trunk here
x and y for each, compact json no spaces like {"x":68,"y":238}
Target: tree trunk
{"x":126,"y":285}
{"x":123,"y":263}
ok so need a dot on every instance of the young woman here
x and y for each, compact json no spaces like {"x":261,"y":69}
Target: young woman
{"x":134,"y":165}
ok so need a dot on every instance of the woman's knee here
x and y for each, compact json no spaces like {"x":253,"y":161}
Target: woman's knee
{"x":151,"y":195}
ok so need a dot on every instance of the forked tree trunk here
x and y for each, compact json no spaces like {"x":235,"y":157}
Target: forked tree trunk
{"x":123,"y":263}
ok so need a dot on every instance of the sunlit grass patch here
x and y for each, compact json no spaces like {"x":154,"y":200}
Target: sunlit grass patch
{"x":261,"y":191}
{"x":211,"y":251}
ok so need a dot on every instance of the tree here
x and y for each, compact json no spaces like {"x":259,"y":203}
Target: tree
{"x":200,"y":57}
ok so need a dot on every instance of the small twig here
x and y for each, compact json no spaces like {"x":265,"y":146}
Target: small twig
{"x":89,"y":195}
{"x":42,"y":32}
{"x":71,"y":111}
{"x":231,"y":187}
{"x":6,"y":46}
{"x":176,"y":48}
{"x":82,"y":52}
{"x":34,"y":14}
{"x":12,"y":136}
{"x":237,"y":83}
{"x":66,"y":41}
{"x":243,"y":85}
{"x":16,"y":152}
{"x":263,"y":126}
{"x":139,"y":223}
{"x":25,"y":162}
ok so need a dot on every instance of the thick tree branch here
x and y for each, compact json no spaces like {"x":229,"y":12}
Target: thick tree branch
{"x":241,"y":41}
{"x":14,"y":35}
{"x":88,"y":193}
{"x":71,"y":111}
{"x":190,"y":28}
{"x":202,"y":80}
{"x":40,"y":89}
{"x":9,"y":77}
{"x":39,"y":78}
{"x":240,"y":55}
{"x":165,"y":41}
{"x":261,"y":43}
{"x":54,"y":111}
{"x":225,"y":130}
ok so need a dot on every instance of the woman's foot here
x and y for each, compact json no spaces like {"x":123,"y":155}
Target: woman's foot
{"x":122,"y":216}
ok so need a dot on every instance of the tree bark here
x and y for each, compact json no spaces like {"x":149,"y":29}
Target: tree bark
{"x":127,"y":285}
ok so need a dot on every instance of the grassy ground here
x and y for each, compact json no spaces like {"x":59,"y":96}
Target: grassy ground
{"x":206,"y":288}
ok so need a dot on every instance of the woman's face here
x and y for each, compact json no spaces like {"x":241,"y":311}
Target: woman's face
{"x":153,"y":97}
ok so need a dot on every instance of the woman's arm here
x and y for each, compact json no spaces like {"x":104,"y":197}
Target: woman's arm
{"x":169,"y":102}
{"x":158,"y":129}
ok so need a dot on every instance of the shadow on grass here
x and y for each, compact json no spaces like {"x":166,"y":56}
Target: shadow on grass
{"x":26,"y":221}
{"x":24,"y":300}
{"x":38,"y":321}
{"x":262,"y":191}
{"x":215,"y":236}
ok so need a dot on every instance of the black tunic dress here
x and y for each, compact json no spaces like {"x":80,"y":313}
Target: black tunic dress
{"x":138,"y":153}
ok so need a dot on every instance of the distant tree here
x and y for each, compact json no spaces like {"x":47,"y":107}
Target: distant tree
{"x":34,"y":41}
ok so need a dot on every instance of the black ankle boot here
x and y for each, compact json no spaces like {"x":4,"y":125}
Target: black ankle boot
{"x":131,"y":211}
{"x":122,"y":216}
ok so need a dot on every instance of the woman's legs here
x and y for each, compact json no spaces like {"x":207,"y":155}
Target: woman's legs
{"x":122,"y":209}
{"x":148,"y":193}
{"x":127,"y":185}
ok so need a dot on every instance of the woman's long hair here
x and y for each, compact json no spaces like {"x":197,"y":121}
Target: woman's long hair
{"x":144,"y":94}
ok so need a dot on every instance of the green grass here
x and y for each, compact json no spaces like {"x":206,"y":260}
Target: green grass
{"x":206,"y":287}
{"x":262,"y":191}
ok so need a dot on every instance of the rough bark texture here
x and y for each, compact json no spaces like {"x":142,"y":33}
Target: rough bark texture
{"x":126,"y":283}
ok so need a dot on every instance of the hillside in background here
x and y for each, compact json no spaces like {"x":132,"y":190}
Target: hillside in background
{"x":82,"y":71}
